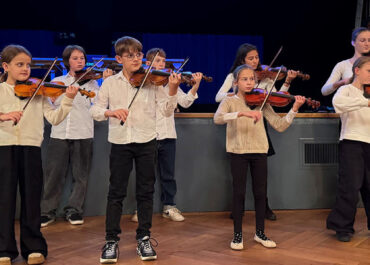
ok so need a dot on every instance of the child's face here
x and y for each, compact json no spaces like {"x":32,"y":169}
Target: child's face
{"x":363,"y":74}
{"x":252,"y":59}
{"x":159,"y":63}
{"x":18,"y":69}
{"x":246,"y":80}
{"x":76,"y":61}
{"x":131,"y":61}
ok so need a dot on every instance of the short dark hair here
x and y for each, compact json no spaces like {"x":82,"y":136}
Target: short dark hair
{"x":151,"y":53}
{"x":127,"y":44}
{"x":357,"y":32}
{"x":68,"y":52}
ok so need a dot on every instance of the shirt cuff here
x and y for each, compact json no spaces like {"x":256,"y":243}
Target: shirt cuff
{"x":290,"y":116}
{"x":67,"y":101}
{"x":191,"y":96}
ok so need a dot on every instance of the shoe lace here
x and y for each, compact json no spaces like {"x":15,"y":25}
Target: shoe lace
{"x":237,"y":237}
{"x":262,"y":235}
{"x":110,"y":247}
{"x":148,"y":244}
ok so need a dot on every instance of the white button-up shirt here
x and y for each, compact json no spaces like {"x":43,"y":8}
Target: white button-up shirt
{"x":166,"y":125}
{"x":140,"y":127}
{"x":79,"y":124}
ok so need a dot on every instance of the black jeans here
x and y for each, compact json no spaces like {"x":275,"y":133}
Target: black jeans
{"x":61,"y":154}
{"x":166,"y":170}
{"x":239,"y":167}
{"x":121,"y":161}
{"x":21,"y":164}
{"x":354,"y":175}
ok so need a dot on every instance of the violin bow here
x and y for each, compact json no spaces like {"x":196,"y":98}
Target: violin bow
{"x":270,"y":91}
{"x":186,"y":60}
{"x":38,"y":86}
{"x":142,"y":83}
{"x":272,"y":62}
{"x":87,"y":71}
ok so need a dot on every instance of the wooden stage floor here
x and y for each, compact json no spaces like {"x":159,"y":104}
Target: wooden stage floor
{"x":204,"y":238}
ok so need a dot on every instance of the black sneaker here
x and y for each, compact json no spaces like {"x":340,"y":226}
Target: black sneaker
{"x":269,"y":215}
{"x":145,"y":249}
{"x":343,"y":236}
{"x":75,"y":219}
{"x":46,"y":220}
{"x":110,"y":252}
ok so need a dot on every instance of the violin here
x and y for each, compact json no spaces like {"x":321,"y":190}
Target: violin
{"x":277,"y":99}
{"x":272,"y":72}
{"x":47,"y":89}
{"x":367,"y":91}
{"x":160,"y":77}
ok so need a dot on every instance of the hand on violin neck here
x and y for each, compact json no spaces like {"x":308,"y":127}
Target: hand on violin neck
{"x":299,"y":101}
{"x":107,"y":72}
{"x":14,"y":116}
{"x":71,"y":91}
{"x":120,"y":114}
{"x":291,"y":76}
{"x":174,"y":81}
{"x":197,"y":79}
{"x":253,"y":114}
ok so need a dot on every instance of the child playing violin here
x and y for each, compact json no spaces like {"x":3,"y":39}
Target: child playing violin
{"x":134,"y":141}
{"x":166,"y":140}
{"x":247,"y":144}
{"x":70,"y":145}
{"x":248,"y":54}
{"x":20,"y":154}
{"x":354,"y":150}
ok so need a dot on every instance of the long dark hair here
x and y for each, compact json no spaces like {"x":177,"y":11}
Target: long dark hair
{"x":358,"y":64}
{"x":8,"y":54}
{"x":242,"y":51}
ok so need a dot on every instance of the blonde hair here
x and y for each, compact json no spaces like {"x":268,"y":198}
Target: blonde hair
{"x":8,"y":54}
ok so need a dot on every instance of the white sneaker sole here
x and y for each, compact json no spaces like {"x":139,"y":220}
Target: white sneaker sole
{"x":148,"y":258}
{"x":234,"y":246}
{"x":47,"y":223}
{"x":107,"y":261}
{"x":77,"y":222}
{"x":169,"y":217}
{"x":267,"y":244}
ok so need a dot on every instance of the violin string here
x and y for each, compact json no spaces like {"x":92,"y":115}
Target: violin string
{"x":142,"y":83}
{"x":270,"y":91}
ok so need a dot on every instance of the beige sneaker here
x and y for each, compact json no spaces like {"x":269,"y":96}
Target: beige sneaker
{"x":35,"y":258}
{"x":173,"y":213}
{"x":237,"y":242}
{"x":266,"y":242}
{"x":5,"y":261}
{"x":134,"y":217}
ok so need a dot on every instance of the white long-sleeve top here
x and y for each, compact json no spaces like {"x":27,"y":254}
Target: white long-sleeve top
{"x":352,"y":106}
{"x":166,"y":125}
{"x":78,"y":124}
{"x":115,"y":93}
{"x":242,"y":134}
{"x":228,"y":84}
{"x":30,"y":128}
{"x":342,"y":70}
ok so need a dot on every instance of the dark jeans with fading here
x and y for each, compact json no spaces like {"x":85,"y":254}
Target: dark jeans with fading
{"x":166,"y":170}
{"x":239,"y":164}
{"x":21,"y":164}
{"x":121,"y":163}
{"x":60,"y":155}
{"x":353,"y":176}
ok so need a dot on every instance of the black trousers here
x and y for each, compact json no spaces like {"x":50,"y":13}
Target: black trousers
{"x":353,"y":176}
{"x":121,"y":163}
{"x":21,"y":164}
{"x":239,"y":168}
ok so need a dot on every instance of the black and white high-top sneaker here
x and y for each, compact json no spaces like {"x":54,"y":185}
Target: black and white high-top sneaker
{"x":110,"y":252}
{"x":145,"y":249}
{"x":261,"y":238}
{"x":237,"y":242}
